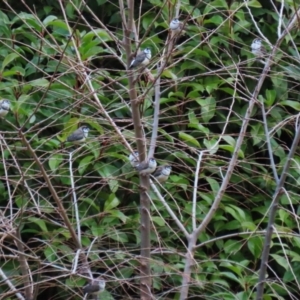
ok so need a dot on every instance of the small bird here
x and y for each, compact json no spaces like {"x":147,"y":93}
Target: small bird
{"x":162,"y":173}
{"x":176,"y":26}
{"x":142,"y":59}
{"x":134,"y":159}
{"x":147,"y":167}
{"x":79,"y":135}
{"x":258,"y":49}
{"x":4,"y":107}
{"x":94,"y":288}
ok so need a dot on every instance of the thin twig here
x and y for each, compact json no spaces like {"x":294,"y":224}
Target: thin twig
{"x":273,"y":210}
{"x":61,"y":208}
{"x":177,"y":8}
{"x":268,"y":141}
{"x":280,"y":17}
{"x":74,"y":197}
{"x":170,"y":211}
{"x":11,"y":286}
{"x":10,"y":200}
{"x":75,"y":261}
{"x":20,"y":172}
{"x":26,"y":272}
{"x":280,"y":185}
{"x":111,"y":50}
{"x":255,"y":24}
{"x":290,"y":268}
{"x":196,"y":189}
{"x":247,"y":233}
{"x":155,"y":116}
{"x":92,"y":90}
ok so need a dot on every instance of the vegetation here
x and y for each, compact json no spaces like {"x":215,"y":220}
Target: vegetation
{"x":224,"y":225}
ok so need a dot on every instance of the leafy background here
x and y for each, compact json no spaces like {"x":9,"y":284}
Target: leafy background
{"x":205,"y":92}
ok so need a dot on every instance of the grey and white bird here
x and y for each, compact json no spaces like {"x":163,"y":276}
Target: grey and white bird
{"x":258,"y":49}
{"x":79,"y":135}
{"x":134,"y":159}
{"x":162,"y":173}
{"x":94,"y":288}
{"x":147,"y":167}
{"x":142,"y":59}
{"x":176,"y":26}
{"x":4,"y":107}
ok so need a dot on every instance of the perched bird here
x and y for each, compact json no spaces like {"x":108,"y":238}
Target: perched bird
{"x":147,"y":167}
{"x":142,"y":59}
{"x":4,"y":107}
{"x":258,"y":49}
{"x":176,"y":26}
{"x":162,"y":173}
{"x":94,"y":288}
{"x":79,"y":135}
{"x":134,"y":159}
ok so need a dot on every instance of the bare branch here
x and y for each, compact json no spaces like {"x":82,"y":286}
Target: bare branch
{"x":273,"y":210}
{"x":170,"y":211}
{"x":74,"y":197}
{"x":11,"y":286}
{"x":26,"y":272}
{"x":196,"y":189}
{"x":62,"y":211}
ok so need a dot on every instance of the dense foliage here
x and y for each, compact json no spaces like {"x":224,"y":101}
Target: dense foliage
{"x":55,"y":57}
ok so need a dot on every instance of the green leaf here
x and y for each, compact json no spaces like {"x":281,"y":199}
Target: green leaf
{"x":55,"y":161}
{"x":60,"y":24}
{"x":293,"y":104}
{"x":231,"y":246}
{"x":84,"y":163}
{"x":50,"y":253}
{"x":166,"y":135}
{"x":119,"y":215}
{"x":70,"y":10}
{"x":211,"y":145}
{"x":254,"y":3}
{"x":159,"y":221}
{"x":257,"y":133}
{"x":91,"y":52}
{"x":270,"y":97}
{"x":41,"y":223}
{"x":231,"y":276}
{"x":214,"y":185}
{"x":100,"y":34}
{"x":22,"y":99}
{"x":194,"y":123}
{"x":31,"y":20}
{"x":208,"y":108}
{"x":216,"y":20}
{"x":90,"y":202}
{"x":42,"y":82}
{"x":8,"y":59}
{"x":169,"y":74}
{"x":16,"y":70}
{"x":236,"y":212}
{"x":111,"y":203}
{"x":109,"y":173}
{"x":255,"y":245}
{"x":214,"y":4}
{"x":147,"y":20}
{"x":119,"y":236}
{"x":230,"y":140}
{"x":281,"y":260}
{"x":188,"y":139}
{"x":49,"y":19}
